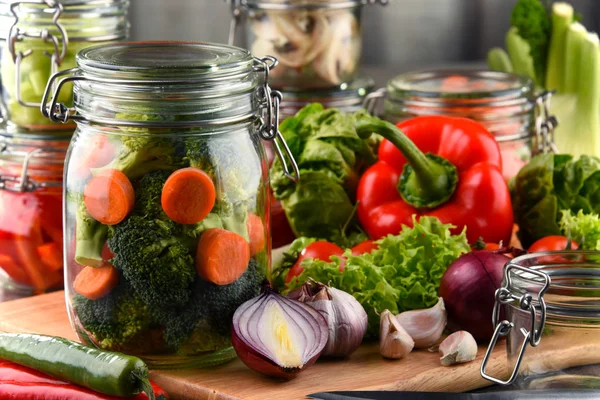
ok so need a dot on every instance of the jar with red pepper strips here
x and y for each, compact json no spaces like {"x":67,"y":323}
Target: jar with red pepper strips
{"x":504,"y":103}
{"x":31,"y":174}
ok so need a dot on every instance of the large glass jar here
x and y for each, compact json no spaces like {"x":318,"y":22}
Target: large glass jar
{"x":167,"y":206}
{"x":39,"y":38}
{"x":504,"y":103}
{"x":317,"y":42}
{"x":31,"y":237}
{"x":551,"y":302}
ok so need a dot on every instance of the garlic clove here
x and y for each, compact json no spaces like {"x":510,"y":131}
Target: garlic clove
{"x":395,"y":341}
{"x":426,"y":326}
{"x":460,"y":347}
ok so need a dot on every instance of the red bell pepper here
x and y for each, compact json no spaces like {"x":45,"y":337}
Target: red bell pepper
{"x":445,"y":167}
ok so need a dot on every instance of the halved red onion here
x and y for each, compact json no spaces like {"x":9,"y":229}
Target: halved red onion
{"x":278,"y":336}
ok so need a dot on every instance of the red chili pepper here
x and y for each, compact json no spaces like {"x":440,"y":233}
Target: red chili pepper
{"x":21,"y":383}
{"x":445,"y":167}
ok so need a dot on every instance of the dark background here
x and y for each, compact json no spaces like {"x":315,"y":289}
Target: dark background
{"x":406,"y":34}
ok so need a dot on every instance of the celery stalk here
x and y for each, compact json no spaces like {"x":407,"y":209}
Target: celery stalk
{"x":576,"y":36}
{"x":520,"y":53}
{"x":498,"y":60}
{"x":578,"y":107}
{"x":562,"y":17}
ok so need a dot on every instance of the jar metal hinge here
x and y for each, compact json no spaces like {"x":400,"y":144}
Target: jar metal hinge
{"x":23,"y":183}
{"x":533,"y":337}
{"x":269,"y":129}
{"x":59,"y":44}
{"x":545,"y":124}
{"x":373,"y":102}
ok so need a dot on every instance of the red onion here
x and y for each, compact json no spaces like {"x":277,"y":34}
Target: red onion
{"x":277,"y":336}
{"x":468,"y":288}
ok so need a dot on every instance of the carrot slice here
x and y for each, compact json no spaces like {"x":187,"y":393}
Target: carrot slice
{"x":102,"y":154}
{"x":222,"y":256}
{"x":14,"y":270}
{"x":256,"y":233}
{"x":188,"y":195}
{"x":51,"y":256}
{"x":109,"y":197}
{"x":95,"y":283}
{"x":28,"y":258}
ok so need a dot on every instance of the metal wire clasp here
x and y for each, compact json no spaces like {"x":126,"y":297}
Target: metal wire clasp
{"x":545,"y":123}
{"x":374,"y":101}
{"x":58,"y":112}
{"x":269,"y":129}
{"x":502,"y":328}
{"x":16,"y":35}
{"x":23,"y":183}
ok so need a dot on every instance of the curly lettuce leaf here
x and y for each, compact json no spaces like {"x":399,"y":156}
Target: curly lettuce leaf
{"x":404,"y":273}
{"x":582,"y":228}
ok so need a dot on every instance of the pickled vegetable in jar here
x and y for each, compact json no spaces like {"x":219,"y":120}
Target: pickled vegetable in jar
{"x":33,"y":46}
{"x":504,"y":103}
{"x":318,"y":43}
{"x":167,"y":199}
{"x":31,"y":237}
{"x":551,"y":321}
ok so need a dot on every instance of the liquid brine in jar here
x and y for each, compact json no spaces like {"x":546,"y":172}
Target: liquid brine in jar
{"x":31,"y":236}
{"x":167,"y":204}
{"x":38,"y":39}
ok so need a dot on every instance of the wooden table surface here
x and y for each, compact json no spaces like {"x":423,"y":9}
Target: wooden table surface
{"x":364,"y":370}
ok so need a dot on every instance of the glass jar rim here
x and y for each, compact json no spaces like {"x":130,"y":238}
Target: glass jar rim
{"x":283,"y":5}
{"x":419,"y":84}
{"x":347,"y":94}
{"x":40,"y":16}
{"x":574,"y":275}
{"x":164,"y":61}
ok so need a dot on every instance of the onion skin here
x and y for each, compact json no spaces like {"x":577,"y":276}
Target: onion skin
{"x":468,"y":288}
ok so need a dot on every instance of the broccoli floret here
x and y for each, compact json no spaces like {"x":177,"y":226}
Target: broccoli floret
{"x":114,"y":319}
{"x":533,"y":24}
{"x":90,"y":237}
{"x":142,"y":154}
{"x":154,"y":259}
{"x":209,"y":312}
{"x":148,"y":192}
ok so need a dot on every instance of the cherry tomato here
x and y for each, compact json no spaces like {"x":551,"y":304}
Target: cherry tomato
{"x":319,"y":250}
{"x":552,"y":243}
{"x":364,"y":247}
{"x":491,"y":246}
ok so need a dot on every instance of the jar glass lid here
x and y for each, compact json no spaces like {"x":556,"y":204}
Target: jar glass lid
{"x":339,"y":96}
{"x":449,"y":84}
{"x":164,"y":60}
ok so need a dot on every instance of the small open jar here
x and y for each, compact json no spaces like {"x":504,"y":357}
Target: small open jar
{"x":31,"y":237}
{"x":39,"y":38}
{"x":552,"y":310}
{"x":167,"y":194}
{"x":504,"y":103}
{"x":317,"y":42}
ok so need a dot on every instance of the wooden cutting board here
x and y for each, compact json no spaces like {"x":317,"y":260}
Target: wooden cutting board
{"x":364,"y":370}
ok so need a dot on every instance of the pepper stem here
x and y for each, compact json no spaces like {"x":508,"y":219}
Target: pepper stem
{"x":427,"y":180}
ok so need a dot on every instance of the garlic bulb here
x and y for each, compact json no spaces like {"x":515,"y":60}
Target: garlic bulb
{"x":394,"y":342}
{"x":460,"y":347}
{"x":346,"y":317}
{"x":426,"y":326}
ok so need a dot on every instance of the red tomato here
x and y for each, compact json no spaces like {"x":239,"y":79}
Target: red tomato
{"x":491,"y":246}
{"x":364,"y":247}
{"x":552,"y":243}
{"x":319,"y":250}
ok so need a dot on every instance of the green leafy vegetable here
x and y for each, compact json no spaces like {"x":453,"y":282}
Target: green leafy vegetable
{"x":548,"y":184}
{"x":331,"y":156}
{"x":582,"y":228}
{"x":404,"y":273}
